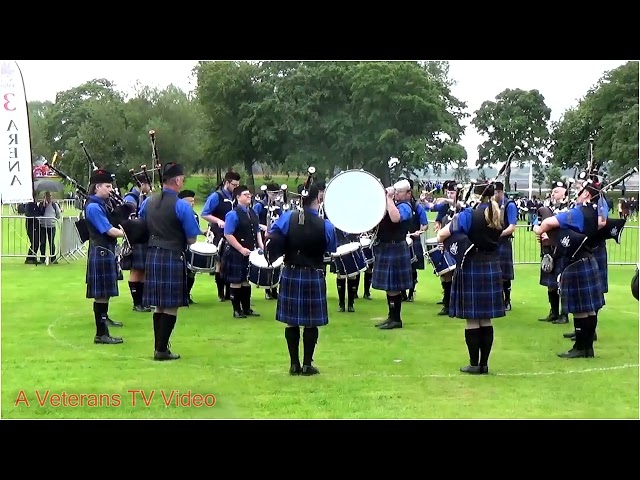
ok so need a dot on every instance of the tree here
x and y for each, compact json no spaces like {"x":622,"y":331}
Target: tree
{"x":517,"y":118}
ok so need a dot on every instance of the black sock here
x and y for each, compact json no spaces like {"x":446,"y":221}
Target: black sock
{"x":591,"y":323}
{"x":292,"y":335}
{"x":414,"y":274}
{"x":340,"y":284}
{"x":486,"y":342}
{"x":236,"y":299}
{"x":227,"y":291}
{"x":356,"y":282}
{"x":133,"y":288}
{"x":220,"y":285}
{"x":167,"y":323}
{"x":581,"y":328}
{"x":190,"y":281}
{"x":506,"y":287}
{"x":390,"y":305}
{"x":352,"y":289}
{"x":246,"y":299}
{"x":100,"y":316}
{"x":447,"y":294}
{"x":157,"y":329}
{"x":395,"y":304}
{"x":554,"y":301}
{"x":309,"y":340}
{"x":472,"y":339}
{"x":367,"y":282}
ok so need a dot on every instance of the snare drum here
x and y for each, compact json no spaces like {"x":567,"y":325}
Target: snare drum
{"x":442,"y":261}
{"x":367,"y":251}
{"x":261,"y":274}
{"x":412,"y":252}
{"x":349,"y":260}
{"x":201,"y":257}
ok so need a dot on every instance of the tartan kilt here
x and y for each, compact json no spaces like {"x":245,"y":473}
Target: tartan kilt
{"x":600,"y":254}
{"x":419,"y":251}
{"x":102,"y":272}
{"x":138,"y":258}
{"x":392,"y":269}
{"x":505,"y":252}
{"x":580,"y":288}
{"x":236,"y":266}
{"x":302,"y":299}
{"x":551,"y":279}
{"x":476,"y":289}
{"x":165,"y":279}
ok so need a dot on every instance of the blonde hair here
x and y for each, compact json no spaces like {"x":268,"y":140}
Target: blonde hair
{"x":493,"y":214}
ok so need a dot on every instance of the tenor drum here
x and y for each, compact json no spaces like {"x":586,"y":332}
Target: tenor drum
{"x":349,"y":260}
{"x":367,"y":251}
{"x":412,"y":250}
{"x":201,"y":257}
{"x":442,"y":261}
{"x":355,"y":213}
{"x":261,"y":274}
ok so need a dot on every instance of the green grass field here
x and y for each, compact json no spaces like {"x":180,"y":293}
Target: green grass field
{"x":48,"y":328}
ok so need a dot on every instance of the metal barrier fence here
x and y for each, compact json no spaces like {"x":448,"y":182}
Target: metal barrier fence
{"x":26,"y":238}
{"x":526,"y":248}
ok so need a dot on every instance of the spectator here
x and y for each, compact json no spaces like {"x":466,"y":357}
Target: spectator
{"x":49,"y":212}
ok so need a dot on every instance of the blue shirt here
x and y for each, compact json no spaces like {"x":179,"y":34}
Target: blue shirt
{"x":511,"y":212}
{"x":213,"y":201}
{"x":464,"y":219}
{"x":231,"y":221}
{"x":184,"y":212}
{"x":282,"y":226}
{"x":257,"y":207}
{"x":405,"y":211}
{"x":422,"y":215}
{"x":603,"y":208}
{"x":572,"y":219}
{"x":96,"y":215}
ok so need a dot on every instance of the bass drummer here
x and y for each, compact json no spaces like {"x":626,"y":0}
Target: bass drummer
{"x":241,"y":231}
{"x":190,"y":197}
{"x":419,"y":224}
{"x":261,"y":207}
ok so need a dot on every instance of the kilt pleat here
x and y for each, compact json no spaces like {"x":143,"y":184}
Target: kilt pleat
{"x":476,"y":289}
{"x":165,"y":279}
{"x":102,"y":272}
{"x":580,"y":287}
{"x":302,"y":299}
{"x":600,"y":254}
{"x":236,"y":266}
{"x":419,"y":251}
{"x":551,"y":279}
{"x":392,"y":268}
{"x":505,"y":252}
{"x":138,"y":258}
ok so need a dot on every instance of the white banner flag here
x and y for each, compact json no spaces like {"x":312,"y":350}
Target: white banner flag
{"x":16,"y":173}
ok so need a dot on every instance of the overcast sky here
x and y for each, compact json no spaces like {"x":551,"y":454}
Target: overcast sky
{"x":561,"y":82}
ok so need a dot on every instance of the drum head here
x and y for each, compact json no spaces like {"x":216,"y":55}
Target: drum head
{"x":432,"y":241}
{"x":348,"y":248}
{"x":258,"y":259}
{"x":204,"y":248}
{"x":278,"y":263}
{"x":365,"y":242}
{"x":409,"y":241}
{"x":355,"y":201}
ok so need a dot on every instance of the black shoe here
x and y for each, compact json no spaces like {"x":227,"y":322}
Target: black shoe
{"x":475,"y":370}
{"x":341,"y":308}
{"x":350,"y":309}
{"x":164,"y":356}
{"x":561,"y":320}
{"x":441,"y":302}
{"x":573,"y":353}
{"x":391,"y":325}
{"x":384,"y":322}
{"x":267,"y":295}
{"x":409,"y":298}
{"x":549,"y":318}
{"x":111,"y":323}
{"x":507,"y":306}
{"x":295,"y":369}
{"x":141,"y":309}
{"x":444,"y":311}
{"x":367,"y":296}
{"x":191,"y":302}
{"x":107,"y":340}
{"x":308,"y":370}
{"x":251,"y":313}
{"x":221,"y":299}
{"x":237,"y":314}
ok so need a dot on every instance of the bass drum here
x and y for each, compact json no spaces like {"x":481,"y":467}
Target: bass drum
{"x":355,"y":201}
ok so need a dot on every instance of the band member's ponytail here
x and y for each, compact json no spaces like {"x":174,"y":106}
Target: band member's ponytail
{"x":492,"y":213}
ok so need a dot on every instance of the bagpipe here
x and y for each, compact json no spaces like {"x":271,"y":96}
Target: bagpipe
{"x":275,"y":203}
{"x":275,"y":243}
